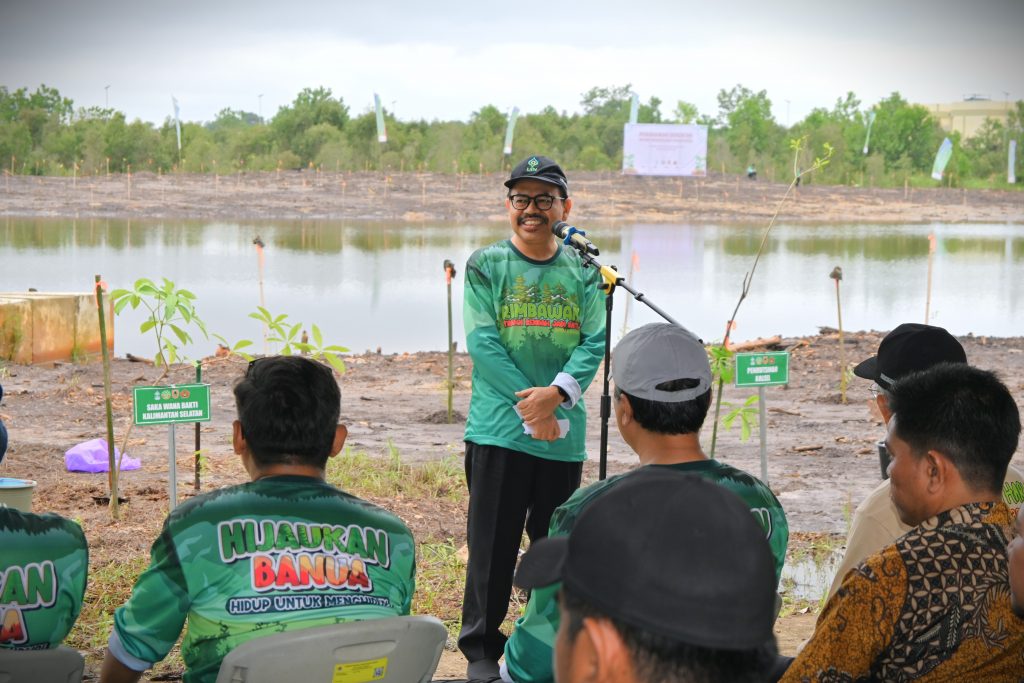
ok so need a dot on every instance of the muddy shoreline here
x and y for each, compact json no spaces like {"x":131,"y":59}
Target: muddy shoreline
{"x":426,"y":197}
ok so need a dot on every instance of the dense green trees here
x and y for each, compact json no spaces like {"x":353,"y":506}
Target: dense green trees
{"x":42,"y":133}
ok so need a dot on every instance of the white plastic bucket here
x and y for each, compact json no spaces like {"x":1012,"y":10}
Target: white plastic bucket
{"x":16,"y":493}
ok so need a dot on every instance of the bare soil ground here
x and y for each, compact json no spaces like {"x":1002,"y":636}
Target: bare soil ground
{"x":309,"y":195}
{"x":821,"y":453}
{"x":822,"y":458}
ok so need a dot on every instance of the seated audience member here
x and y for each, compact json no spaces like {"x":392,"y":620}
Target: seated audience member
{"x":43,"y":565}
{"x":910,"y":347}
{"x":662,"y":394}
{"x":665,"y":578}
{"x":282,"y":552}
{"x":1015,"y":551}
{"x":934,"y":605}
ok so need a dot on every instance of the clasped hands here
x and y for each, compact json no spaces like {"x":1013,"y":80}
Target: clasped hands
{"x":537,"y":409}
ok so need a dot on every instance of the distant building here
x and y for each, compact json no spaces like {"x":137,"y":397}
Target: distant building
{"x":967,"y":117}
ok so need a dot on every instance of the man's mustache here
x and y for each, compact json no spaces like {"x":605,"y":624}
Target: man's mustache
{"x":541,"y":217}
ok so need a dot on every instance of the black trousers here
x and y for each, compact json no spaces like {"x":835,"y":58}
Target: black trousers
{"x":508,"y":490}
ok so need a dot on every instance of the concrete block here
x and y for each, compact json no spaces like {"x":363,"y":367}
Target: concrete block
{"x":38,"y":327}
{"x":15,"y":329}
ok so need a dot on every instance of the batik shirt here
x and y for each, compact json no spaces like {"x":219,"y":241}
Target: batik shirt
{"x":44,"y":561}
{"x":528,"y":651}
{"x":527,"y":321}
{"x":277,"y":554}
{"x":933,"y":607}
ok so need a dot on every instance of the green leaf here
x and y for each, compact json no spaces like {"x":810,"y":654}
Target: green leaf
{"x":147,"y":326}
{"x":335,"y":362}
{"x":318,"y":338}
{"x":120,"y":304}
{"x":170,"y":305}
{"x":181,"y":334}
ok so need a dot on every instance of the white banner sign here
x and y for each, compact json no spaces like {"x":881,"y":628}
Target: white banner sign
{"x":1011,"y":162}
{"x":665,"y":149}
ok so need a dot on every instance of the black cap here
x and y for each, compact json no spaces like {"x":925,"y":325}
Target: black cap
{"x":668,"y":553}
{"x":911,"y":347}
{"x":539,"y":168}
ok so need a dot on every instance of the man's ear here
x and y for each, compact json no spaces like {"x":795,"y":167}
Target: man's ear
{"x":604,"y":654}
{"x":940,"y":470}
{"x":238,"y":438}
{"x":625,"y":409}
{"x":567,"y":207}
{"x":339,"y":440}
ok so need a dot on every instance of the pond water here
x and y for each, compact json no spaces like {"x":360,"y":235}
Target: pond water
{"x":374,"y":284}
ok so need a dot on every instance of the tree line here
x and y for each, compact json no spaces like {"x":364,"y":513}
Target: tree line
{"x":43,"y":133}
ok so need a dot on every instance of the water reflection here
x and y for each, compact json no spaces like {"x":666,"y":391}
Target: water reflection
{"x":370,"y":284}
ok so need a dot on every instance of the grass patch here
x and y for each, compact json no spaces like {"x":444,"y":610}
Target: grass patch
{"x":440,"y":579}
{"x":364,"y":475}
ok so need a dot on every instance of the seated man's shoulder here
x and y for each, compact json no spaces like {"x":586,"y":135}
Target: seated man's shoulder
{"x":285,"y":497}
{"x":1013,"y":487}
{"x":565,"y":515}
{"x":43,"y":565}
{"x":14,"y":522}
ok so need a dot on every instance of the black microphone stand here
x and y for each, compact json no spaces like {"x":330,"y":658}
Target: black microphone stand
{"x":612,"y":279}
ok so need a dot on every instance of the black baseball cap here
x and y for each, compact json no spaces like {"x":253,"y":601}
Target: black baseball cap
{"x":539,"y":168}
{"x":909,"y":348}
{"x":668,"y":553}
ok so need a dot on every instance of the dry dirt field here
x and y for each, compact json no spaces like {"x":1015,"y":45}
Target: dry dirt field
{"x":822,"y":458}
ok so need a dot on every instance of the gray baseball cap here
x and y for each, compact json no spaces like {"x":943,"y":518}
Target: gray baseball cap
{"x":657,"y":353}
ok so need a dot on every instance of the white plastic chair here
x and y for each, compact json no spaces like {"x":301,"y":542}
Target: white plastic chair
{"x":392,"y":650}
{"x":57,"y":665}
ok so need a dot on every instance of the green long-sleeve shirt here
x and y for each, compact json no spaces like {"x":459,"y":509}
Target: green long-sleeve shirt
{"x":526,"y":322}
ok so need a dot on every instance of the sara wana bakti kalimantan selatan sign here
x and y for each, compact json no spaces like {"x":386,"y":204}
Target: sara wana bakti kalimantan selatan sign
{"x":173,"y":404}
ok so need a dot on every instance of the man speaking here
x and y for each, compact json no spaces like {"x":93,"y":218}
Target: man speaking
{"x":535,"y":330}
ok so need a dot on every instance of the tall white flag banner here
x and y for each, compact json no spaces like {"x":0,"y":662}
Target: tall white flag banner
{"x":634,"y":108}
{"x":177,"y":121}
{"x":1011,"y":163}
{"x":676,"y":149}
{"x":867,"y":138}
{"x":382,"y":133}
{"x":510,"y":129}
{"x":942,"y":158}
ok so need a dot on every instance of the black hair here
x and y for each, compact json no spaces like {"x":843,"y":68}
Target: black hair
{"x":962,"y":412}
{"x":684,"y":417}
{"x":658,"y":659}
{"x":289,"y":408}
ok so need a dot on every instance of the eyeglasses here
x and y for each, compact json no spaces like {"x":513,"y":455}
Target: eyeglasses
{"x":875,"y":391}
{"x":543,"y":202}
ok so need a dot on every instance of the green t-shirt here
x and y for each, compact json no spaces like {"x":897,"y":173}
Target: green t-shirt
{"x":526,"y":321}
{"x":528,"y":651}
{"x":277,"y":554}
{"x":44,"y":562}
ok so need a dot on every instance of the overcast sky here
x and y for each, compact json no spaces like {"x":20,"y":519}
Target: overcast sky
{"x":446,"y":59}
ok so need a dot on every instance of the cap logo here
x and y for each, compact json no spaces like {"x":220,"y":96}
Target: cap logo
{"x":532,"y":164}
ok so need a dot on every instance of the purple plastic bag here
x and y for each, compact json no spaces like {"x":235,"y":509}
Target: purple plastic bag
{"x":92,"y":456}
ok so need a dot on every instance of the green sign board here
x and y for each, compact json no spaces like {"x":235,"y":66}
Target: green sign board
{"x":168,"y":405}
{"x":762,"y":369}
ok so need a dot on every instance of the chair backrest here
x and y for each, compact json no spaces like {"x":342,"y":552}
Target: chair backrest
{"x":405,"y":649}
{"x":57,"y":665}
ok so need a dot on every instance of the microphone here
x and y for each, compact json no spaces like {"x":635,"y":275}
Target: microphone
{"x":574,"y":237}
